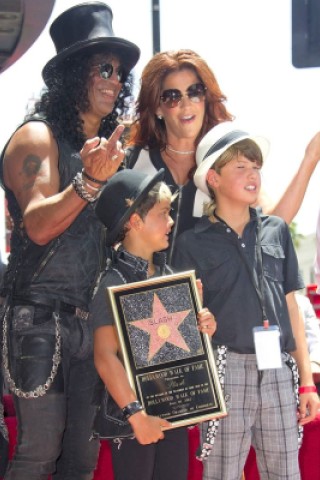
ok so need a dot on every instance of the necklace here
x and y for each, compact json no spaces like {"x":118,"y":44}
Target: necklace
{"x":216,"y":216}
{"x":180,"y":152}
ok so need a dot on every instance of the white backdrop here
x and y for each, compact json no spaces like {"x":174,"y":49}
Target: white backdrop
{"x":248,"y":45}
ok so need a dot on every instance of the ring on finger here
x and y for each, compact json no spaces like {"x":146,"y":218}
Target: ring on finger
{"x":114,"y":157}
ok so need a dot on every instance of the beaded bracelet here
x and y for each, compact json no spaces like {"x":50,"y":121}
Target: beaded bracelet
{"x":79,"y":187}
{"x":308,"y":389}
{"x":92,"y":179}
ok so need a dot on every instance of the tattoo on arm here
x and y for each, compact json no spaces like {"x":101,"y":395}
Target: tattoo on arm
{"x":30,"y":168}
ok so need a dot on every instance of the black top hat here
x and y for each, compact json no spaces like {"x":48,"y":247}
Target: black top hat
{"x":120,"y":198}
{"x":88,"y":26}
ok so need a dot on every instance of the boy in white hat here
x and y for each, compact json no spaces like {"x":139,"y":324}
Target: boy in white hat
{"x":135,"y":208}
{"x":249,"y":272}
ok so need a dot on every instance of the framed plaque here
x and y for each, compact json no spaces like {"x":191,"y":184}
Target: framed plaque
{"x":169,"y":363}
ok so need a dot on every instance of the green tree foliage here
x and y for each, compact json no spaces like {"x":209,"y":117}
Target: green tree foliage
{"x":296,"y":236}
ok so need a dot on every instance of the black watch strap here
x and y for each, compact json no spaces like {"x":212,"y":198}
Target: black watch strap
{"x":131,"y":409}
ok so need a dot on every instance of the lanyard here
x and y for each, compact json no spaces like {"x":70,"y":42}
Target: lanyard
{"x":258,"y":285}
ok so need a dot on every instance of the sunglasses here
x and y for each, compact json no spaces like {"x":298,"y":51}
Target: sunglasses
{"x":106,"y":71}
{"x":172,"y":97}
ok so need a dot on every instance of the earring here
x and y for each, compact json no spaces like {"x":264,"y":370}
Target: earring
{"x":160,"y":117}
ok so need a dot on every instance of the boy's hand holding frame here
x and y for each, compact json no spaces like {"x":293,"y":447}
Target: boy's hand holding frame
{"x":170,"y":366}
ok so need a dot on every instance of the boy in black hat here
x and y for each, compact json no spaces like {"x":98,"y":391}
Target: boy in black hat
{"x":250,"y":273}
{"x":135,"y":208}
{"x":52,"y":175}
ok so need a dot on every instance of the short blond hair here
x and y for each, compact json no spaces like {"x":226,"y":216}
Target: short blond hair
{"x":248,"y":148}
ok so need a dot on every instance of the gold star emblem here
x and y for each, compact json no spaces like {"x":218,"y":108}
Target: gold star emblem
{"x":162,"y":327}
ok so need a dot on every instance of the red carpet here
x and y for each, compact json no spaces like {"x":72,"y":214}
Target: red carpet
{"x":309,"y":456}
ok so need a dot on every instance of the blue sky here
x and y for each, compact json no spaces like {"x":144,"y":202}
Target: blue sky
{"x":247,"y":43}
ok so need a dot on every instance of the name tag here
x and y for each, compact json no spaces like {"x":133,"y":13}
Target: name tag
{"x":267,"y":347}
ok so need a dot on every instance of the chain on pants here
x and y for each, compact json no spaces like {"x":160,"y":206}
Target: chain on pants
{"x":54,"y":429}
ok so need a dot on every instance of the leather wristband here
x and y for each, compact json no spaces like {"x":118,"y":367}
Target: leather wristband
{"x":95,"y":180}
{"x":308,"y":389}
{"x":131,"y":409}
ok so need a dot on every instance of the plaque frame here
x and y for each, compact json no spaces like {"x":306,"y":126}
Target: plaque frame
{"x":170,"y":367}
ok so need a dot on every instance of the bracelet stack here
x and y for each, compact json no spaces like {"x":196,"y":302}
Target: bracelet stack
{"x":80,"y":187}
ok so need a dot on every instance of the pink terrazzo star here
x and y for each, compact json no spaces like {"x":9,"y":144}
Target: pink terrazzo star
{"x":162,"y":327}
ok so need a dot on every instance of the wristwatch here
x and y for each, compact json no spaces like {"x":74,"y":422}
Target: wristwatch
{"x":131,"y":409}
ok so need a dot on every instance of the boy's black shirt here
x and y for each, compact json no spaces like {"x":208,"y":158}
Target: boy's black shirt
{"x":228,"y":291}
{"x":121,"y":266}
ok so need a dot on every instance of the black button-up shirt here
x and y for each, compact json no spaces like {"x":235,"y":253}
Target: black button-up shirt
{"x":229,"y":293}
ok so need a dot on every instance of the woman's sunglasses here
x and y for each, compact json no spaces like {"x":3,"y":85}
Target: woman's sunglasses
{"x":106,"y":71}
{"x":172,"y":97}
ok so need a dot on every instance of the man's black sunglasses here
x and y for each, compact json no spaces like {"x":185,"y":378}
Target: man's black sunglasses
{"x":106,"y":71}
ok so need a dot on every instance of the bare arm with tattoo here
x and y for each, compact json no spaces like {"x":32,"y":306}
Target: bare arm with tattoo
{"x":31,"y":172}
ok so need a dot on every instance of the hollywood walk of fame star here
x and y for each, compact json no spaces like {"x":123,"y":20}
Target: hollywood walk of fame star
{"x":162,"y":327}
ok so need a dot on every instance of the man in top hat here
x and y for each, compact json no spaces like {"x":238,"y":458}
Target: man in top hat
{"x":52,"y":175}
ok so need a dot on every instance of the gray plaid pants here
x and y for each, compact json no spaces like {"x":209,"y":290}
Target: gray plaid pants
{"x":262,"y":411}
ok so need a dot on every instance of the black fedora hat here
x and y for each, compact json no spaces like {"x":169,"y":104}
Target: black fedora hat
{"x":120,"y":198}
{"x":88,"y":26}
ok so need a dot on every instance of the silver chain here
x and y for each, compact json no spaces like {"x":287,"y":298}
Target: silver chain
{"x":79,"y":186}
{"x":56,"y":359}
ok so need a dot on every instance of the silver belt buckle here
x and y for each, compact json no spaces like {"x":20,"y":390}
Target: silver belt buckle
{"x":81,"y":314}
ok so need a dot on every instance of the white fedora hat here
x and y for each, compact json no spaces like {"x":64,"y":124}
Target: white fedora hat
{"x":217,"y":141}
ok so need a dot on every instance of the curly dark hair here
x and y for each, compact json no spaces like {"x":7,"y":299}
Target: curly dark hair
{"x":66,"y":96}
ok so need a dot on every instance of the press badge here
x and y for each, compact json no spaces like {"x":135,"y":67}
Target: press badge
{"x":267,"y":347}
